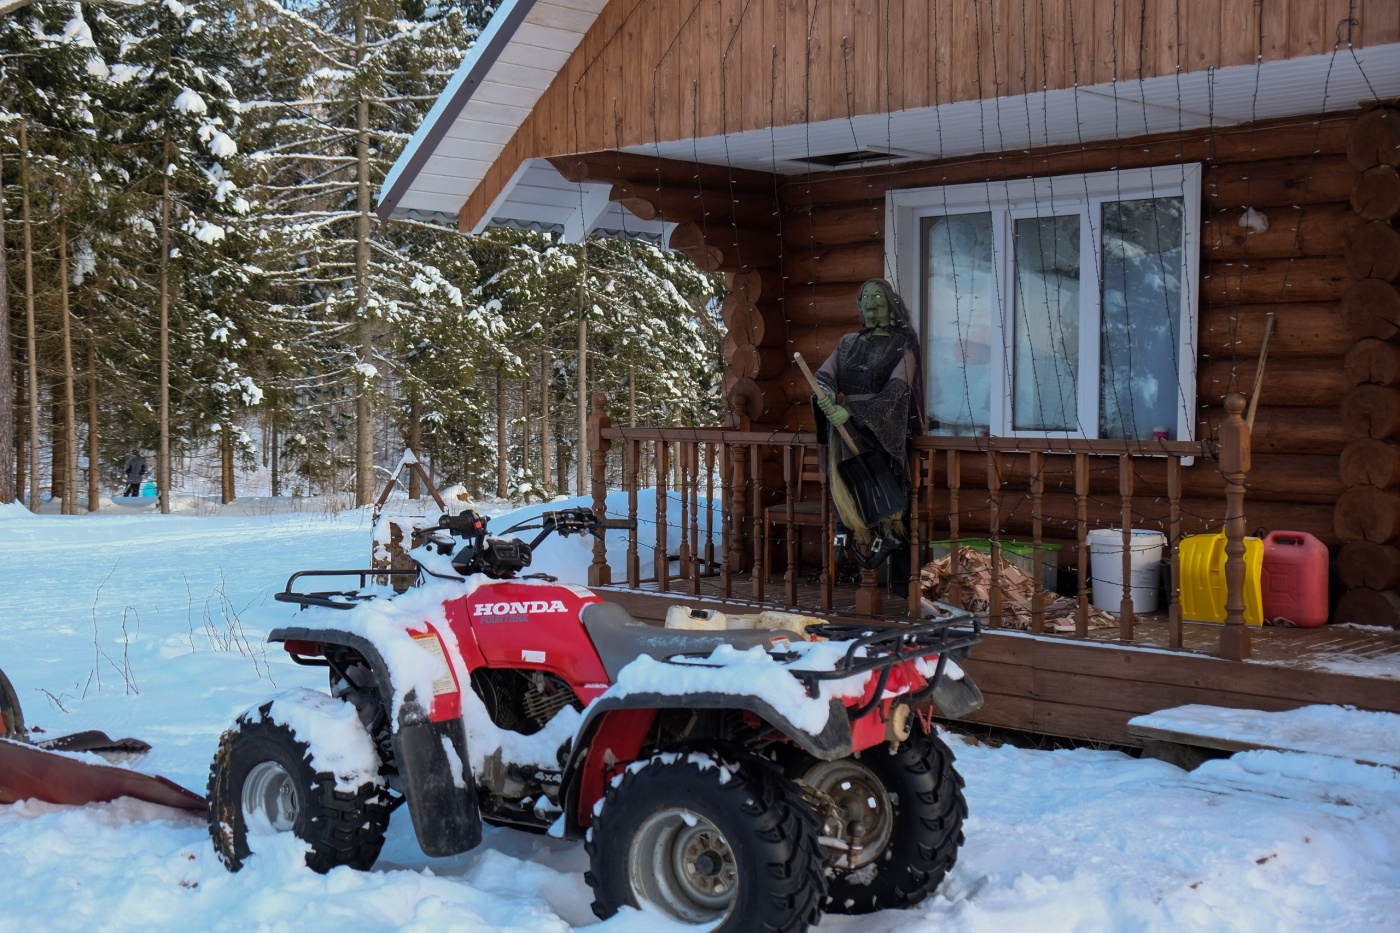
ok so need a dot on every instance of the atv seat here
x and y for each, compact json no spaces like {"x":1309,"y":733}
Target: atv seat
{"x":620,"y":638}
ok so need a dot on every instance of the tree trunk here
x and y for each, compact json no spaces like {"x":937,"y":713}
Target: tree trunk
{"x":163,"y":456}
{"x":58,"y":432}
{"x":632,"y":395}
{"x":502,"y":442}
{"x":525,"y":426}
{"x":415,"y":441}
{"x":70,"y":408}
{"x":8,"y":486}
{"x":94,"y":474}
{"x":274,"y":456}
{"x":582,"y":458}
{"x":226,"y":484}
{"x":546,"y":456}
{"x":30,"y":343}
{"x":364,"y":406}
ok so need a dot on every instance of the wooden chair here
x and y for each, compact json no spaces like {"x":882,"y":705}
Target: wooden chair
{"x":806,"y":507}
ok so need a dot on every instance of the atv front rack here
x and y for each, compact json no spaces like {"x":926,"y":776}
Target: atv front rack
{"x":336,"y":599}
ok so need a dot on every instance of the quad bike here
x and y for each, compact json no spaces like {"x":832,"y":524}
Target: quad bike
{"x":35,"y":769}
{"x":822,"y":787}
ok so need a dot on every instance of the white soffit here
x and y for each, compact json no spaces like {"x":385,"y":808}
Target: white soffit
{"x":1121,"y":110}
{"x":504,"y":74}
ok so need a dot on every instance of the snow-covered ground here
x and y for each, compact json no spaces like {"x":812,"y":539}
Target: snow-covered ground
{"x":152,"y":626}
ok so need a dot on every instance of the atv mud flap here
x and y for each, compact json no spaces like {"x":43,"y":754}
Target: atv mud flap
{"x":437,"y":780}
{"x":957,"y":698}
{"x":30,"y":773}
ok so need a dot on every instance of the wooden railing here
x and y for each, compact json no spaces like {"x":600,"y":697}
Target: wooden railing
{"x":712,"y":486}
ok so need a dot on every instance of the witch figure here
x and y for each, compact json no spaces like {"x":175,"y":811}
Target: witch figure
{"x":874,"y":386}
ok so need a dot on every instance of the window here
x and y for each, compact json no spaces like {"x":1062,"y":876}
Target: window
{"x":1060,"y":306}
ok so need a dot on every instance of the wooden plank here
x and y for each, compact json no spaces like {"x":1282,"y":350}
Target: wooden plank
{"x":1007,"y":679}
{"x":1214,"y":674}
{"x":795,"y":57}
{"x":1007,"y":712}
{"x":1135,"y":697}
{"x":1084,"y":723}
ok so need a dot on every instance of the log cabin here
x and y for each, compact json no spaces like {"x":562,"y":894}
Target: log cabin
{"x":1150,"y":249}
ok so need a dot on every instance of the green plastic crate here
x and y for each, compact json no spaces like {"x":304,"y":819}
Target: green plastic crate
{"x":1018,"y":553}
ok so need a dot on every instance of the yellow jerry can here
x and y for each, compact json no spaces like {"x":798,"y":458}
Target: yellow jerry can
{"x":1203,"y":578}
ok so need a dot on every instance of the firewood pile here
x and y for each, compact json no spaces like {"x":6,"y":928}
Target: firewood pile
{"x":974,"y":576}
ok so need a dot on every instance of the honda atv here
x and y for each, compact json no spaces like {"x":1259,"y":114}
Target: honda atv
{"x":744,"y":778}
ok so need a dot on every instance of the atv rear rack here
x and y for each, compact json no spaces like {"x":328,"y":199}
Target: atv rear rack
{"x":336,"y":599}
{"x":879,"y":647}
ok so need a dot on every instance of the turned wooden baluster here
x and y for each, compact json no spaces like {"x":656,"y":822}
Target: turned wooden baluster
{"x":828,"y":577}
{"x":916,"y":475}
{"x":710,"y":508}
{"x":683,"y":485}
{"x":955,"y":566}
{"x":1234,"y":466}
{"x":1125,"y":494}
{"x":994,"y":520}
{"x":728,"y":467}
{"x":693,"y":465}
{"x":930,"y":504}
{"x":1037,"y":463}
{"x":599,"y":573}
{"x":662,"y":558}
{"x":1174,"y":529}
{"x":1081,"y":522}
{"x":790,"y":514}
{"x":633,"y":468}
{"x":760,"y":547}
{"x":737,"y":555}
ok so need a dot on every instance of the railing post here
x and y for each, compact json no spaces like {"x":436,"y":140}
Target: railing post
{"x":1037,"y":489}
{"x":661,"y":557}
{"x":916,"y":475}
{"x":737,"y":557}
{"x":1174,"y":498}
{"x":1081,"y":534}
{"x":599,"y":573}
{"x":994,"y":611}
{"x":1234,"y":467}
{"x":1125,"y":494}
{"x":633,"y":468}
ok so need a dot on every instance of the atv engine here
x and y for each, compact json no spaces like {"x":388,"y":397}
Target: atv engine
{"x":522,"y":701}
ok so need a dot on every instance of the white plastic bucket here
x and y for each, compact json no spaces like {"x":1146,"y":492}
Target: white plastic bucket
{"x":1106,"y":568}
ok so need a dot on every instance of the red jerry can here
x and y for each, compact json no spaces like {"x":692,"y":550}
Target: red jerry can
{"x":1294,"y":578}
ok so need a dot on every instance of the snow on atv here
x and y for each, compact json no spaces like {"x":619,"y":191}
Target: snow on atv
{"x":740,"y":778}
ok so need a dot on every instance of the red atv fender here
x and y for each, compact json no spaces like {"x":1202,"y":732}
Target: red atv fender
{"x":614,"y":729}
{"x":444,"y":808}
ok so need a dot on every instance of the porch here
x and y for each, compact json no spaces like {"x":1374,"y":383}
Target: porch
{"x":726,"y":505}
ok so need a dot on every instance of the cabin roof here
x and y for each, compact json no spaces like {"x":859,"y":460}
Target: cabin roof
{"x":559,"y":77}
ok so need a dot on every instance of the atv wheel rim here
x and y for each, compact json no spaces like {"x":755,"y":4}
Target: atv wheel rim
{"x":270,"y":801}
{"x":856,"y":809}
{"x":681,"y":863}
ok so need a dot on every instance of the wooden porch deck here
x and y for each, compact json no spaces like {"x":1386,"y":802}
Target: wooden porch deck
{"x":1088,"y":689}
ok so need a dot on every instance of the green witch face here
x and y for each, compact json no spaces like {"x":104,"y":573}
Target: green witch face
{"x":874,"y":308}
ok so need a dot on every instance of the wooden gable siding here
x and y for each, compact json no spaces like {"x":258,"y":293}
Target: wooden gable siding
{"x":659,"y":70}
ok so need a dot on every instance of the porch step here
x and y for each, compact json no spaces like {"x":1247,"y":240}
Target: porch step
{"x":1369,"y":738}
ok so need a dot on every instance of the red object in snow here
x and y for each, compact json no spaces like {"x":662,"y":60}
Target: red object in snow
{"x":1294,"y":578}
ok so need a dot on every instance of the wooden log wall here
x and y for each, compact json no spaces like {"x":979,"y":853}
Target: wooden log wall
{"x":1367,"y":514}
{"x":1302,"y":176}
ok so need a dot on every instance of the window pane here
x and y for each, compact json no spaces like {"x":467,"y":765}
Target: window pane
{"x":959,"y":298}
{"x":1139,"y":366}
{"x":1045,"y":394}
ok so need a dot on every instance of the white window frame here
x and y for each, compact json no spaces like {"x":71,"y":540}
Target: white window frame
{"x":906,"y":210}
